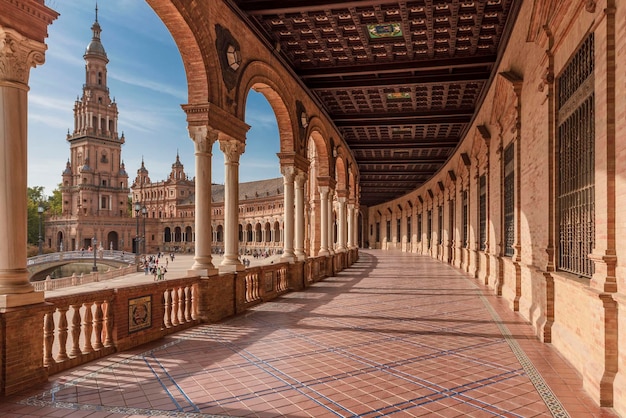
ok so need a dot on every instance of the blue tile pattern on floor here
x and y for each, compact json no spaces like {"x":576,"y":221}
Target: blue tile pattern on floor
{"x":398,"y":335}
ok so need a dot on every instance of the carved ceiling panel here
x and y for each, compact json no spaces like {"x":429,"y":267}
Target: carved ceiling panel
{"x":401,"y":80}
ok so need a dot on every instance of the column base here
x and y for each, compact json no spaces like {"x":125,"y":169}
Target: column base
{"x":20,"y":299}
{"x":288,"y":256}
{"x":323,"y":252}
{"x":231,"y":268}
{"x":231,"y":264}
{"x":203,"y":271}
{"x":300,"y":255}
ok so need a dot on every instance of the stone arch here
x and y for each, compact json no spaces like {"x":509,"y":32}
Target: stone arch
{"x":320,"y":138}
{"x":268,"y":232}
{"x":341,"y":173}
{"x":276,"y":231}
{"x":112,"y":240}
{"x":196,"y":47}
{"x":352,"y":192}
{"x":262,"y":78}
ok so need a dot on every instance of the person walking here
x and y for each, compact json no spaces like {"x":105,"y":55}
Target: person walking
{"x":159,"y":273}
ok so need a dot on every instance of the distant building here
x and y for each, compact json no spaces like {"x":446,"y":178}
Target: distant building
{"x":165,"y":213}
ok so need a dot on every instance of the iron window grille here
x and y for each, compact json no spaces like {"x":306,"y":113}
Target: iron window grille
{"x":429,"y":227}
{"x":398,"y":230}
{"x":440,"y":225}
{"x":388,"y":231}
{"x":483,"y":213}
{"x":419,"y":227}
{"x":576,"y":158}
{"x":408,"y":229}
{"x":465,"y":220}
{"x":509,"y":200}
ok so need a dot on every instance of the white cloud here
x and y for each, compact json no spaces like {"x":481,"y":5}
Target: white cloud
{"x":151,"y":85}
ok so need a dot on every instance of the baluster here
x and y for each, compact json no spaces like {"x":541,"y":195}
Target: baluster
{"x":181,"y":305}
{"x":167,"y":308}
{"x":174,"y":296}
{"x":75,"y":331}
{"x":187,"y":291}
{"x":246,"y":290}
{"x":97,"y":326}
{"x":87,"y":328}
{"x":62,"y":334}
{"x":108,"y":325}
{"x":48,"y":339}
{"x":194,"y":304}
{"x":257,"y":286}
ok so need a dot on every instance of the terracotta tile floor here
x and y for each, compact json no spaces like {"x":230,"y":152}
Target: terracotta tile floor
{"x":395,"y":335}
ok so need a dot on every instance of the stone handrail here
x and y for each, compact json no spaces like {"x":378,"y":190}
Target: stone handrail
{"x":81,"y":327}
{"x":78,"y":328}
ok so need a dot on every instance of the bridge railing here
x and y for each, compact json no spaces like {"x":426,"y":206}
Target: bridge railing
{"x":75,"y":280}
{"x":121,"y":256}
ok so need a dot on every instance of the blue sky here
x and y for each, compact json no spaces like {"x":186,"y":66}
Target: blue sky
{"x":147,"y":79}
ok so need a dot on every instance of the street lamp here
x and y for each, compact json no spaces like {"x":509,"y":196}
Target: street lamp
{"x":93,"y":246}
{"x":137,"y":209}
{"x":40,"y":211}
{"x":144,"y":211}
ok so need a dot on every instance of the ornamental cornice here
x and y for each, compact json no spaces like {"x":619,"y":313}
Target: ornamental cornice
{"x":17,"y":55}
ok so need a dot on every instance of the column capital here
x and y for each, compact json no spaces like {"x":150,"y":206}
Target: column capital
{"x":301,"y":177}
{"x":232,"y":149}
{"x":324,"y":190}
{"x":203,"y":137}
{"x":289,"y":172}
{"x":17,"y":55}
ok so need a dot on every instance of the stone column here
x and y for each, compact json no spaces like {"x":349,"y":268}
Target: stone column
{"x":351,"y":225}
{"x":299,"y":216}
{"x":17,"y":55}
{"x":323,"y":208}
{"x":341,"y":230}
{"x":289,"y":173}
{"x":203,"y":141}
{"x":232,"y":149}
{"x":330,"y":225}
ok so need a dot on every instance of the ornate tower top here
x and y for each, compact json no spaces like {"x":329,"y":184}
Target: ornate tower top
{"x":95,"y":46}
{"x":178,"y":169}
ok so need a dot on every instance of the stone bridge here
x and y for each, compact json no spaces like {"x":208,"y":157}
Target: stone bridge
{"x":48,"y":262}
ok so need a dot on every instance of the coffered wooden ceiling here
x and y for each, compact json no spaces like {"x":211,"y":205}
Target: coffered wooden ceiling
{"x":400,"y":79}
